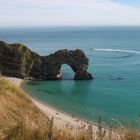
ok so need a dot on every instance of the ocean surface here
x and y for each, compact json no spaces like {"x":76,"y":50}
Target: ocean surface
{"x":114,"y":56}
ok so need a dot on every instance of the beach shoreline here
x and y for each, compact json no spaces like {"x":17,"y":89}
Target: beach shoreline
{"x":62,"y":119}
{"x":43,"y":106}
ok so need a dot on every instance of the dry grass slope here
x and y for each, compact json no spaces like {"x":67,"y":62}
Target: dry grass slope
{"x":20,"y":119}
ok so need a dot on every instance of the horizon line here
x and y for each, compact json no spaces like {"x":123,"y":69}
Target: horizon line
{"x":61,"y":26}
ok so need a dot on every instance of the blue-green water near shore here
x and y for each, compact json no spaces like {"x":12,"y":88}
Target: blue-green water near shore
{"x":114,"y":54}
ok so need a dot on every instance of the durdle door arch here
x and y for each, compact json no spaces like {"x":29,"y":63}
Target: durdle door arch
{"x":19,"y":61}
{"x":75,"y":59}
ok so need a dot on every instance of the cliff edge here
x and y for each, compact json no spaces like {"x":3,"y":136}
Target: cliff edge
{"x":19,"y":61}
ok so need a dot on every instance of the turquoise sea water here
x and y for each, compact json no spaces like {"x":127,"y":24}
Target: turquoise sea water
{"x":114,"y":54}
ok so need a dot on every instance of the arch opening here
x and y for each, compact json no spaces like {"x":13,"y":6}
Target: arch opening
{"x":67,"y":72}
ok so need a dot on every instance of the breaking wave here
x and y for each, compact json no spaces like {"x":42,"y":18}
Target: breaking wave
{"x":116,"y":50}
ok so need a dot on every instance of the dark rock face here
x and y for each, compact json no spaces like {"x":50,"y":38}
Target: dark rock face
{"x":19,"y":61}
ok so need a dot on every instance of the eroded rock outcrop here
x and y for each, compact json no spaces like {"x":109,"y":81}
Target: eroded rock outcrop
{"x":19,"y":61}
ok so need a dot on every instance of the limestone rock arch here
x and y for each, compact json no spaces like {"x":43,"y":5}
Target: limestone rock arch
{"x":76,"y":59}
{"x":19,"y":61}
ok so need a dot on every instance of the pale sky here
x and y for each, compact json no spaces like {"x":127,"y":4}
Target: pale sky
{"x":69,"y":12}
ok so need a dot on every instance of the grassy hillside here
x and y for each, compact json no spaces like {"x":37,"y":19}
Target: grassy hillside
{"x":20,"y":119}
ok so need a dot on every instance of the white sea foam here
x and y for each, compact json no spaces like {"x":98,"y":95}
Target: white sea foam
{"x":116,"y":50}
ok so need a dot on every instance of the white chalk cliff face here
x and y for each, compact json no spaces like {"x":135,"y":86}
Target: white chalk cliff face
{"x":19,"y":61}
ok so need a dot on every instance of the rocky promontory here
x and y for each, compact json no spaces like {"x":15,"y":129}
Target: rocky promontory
{"x":17,"y":60}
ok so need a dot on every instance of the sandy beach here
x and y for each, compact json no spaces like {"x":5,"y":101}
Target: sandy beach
{"x":60,"y":117}
{"x":63,"y":119}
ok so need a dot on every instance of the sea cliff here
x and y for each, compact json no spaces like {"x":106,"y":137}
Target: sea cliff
{"x":19,"y":61}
